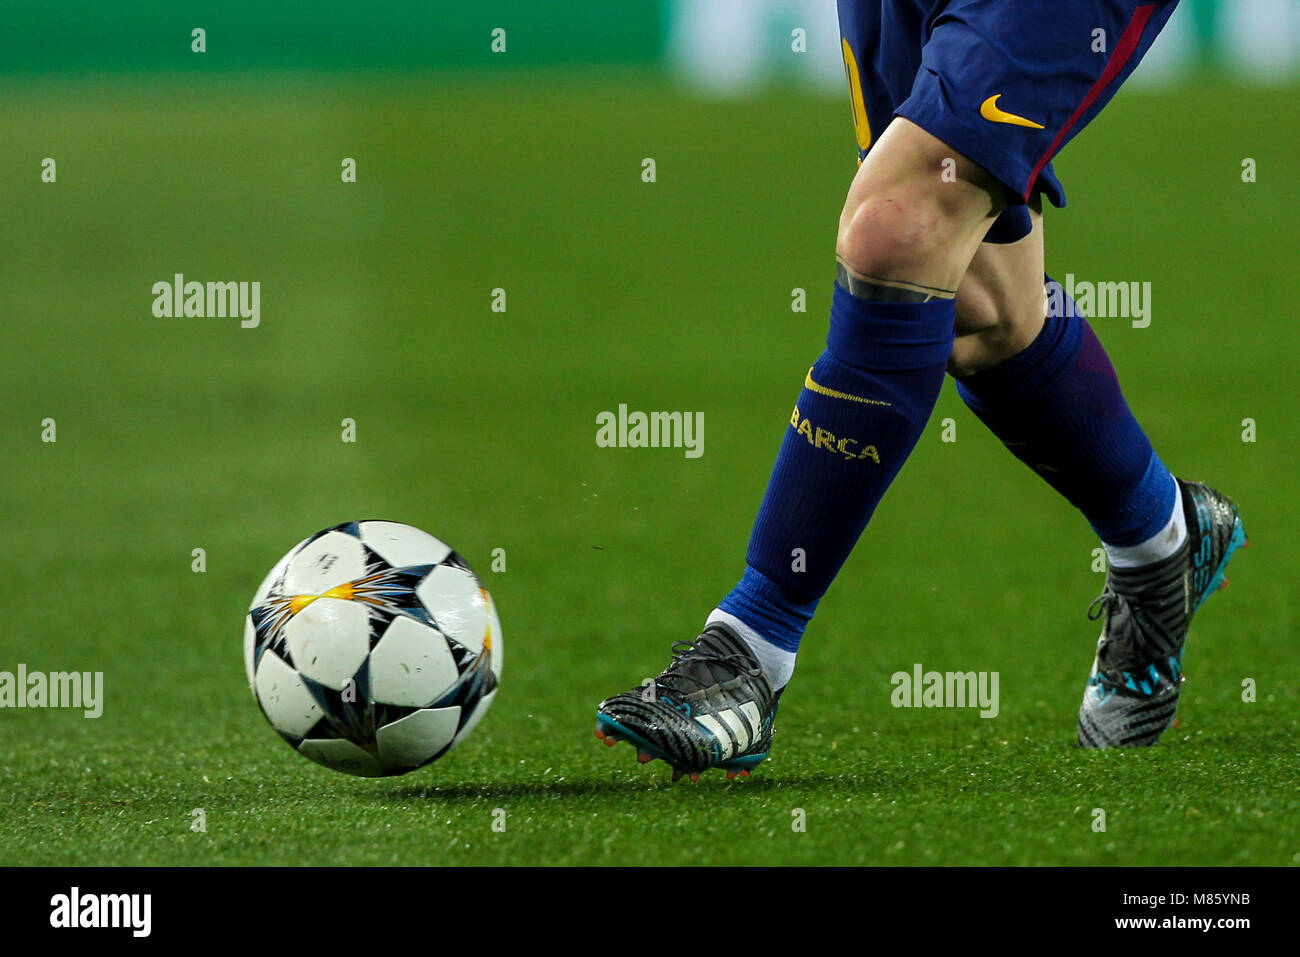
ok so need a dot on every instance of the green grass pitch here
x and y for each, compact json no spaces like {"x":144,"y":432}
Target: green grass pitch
{"x":176,"y":434}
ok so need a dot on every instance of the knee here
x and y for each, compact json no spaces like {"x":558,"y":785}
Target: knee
{"x":890,"y":232}
{"x":916,"y":209}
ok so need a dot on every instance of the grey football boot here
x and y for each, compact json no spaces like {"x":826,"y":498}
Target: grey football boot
{"x":1132,"y":694}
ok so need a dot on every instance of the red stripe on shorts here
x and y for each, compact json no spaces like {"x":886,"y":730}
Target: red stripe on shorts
{"x":1123,"y":52}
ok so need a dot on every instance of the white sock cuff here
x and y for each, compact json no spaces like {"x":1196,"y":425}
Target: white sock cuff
{"x":1159,"y":546}
{"x":777,"y":663}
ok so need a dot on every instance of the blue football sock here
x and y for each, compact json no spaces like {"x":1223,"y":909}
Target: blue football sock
{"x":863,"y":407}
{"x":1059,"y":409}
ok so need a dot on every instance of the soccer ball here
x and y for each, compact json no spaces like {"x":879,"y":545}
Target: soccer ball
{"x":372,"y":648}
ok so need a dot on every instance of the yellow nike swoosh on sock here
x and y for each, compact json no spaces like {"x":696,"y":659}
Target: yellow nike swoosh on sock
{"x":812,"y":386}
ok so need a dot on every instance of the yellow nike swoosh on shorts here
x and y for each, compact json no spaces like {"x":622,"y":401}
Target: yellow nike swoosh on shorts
{"x":989,"y":110}
{"x":812,"y":386}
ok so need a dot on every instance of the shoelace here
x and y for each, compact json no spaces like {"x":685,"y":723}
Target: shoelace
{"x":1102,"y":603}
{"x":1108,"y":603}
{"x":680,"y":649}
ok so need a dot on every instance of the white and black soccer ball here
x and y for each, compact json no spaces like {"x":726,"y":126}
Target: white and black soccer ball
{"x":373,"y":648}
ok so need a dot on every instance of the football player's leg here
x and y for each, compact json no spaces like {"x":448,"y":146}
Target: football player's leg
{"x":1047,"y":389}
{"x":913,"y":219}
{"x":914,"y":216}
{"x":906,"y":237}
